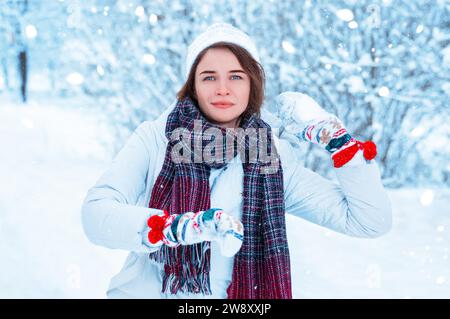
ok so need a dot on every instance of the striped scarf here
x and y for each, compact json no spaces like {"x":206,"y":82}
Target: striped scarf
{"x":262,"y":266}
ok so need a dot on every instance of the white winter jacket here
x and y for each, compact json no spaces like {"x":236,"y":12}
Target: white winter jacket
{"x":115,"y":210}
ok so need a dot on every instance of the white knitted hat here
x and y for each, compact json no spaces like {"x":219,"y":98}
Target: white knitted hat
{"x":218,"y":32}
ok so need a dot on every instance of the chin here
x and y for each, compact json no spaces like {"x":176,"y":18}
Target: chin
{"x":221,"y":117}
{"x":219,"y":120}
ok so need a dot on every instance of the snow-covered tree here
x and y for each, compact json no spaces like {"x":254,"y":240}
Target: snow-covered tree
{"x":381,"y":66}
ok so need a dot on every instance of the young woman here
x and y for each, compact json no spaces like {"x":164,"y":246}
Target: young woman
{"x":199,"y":195}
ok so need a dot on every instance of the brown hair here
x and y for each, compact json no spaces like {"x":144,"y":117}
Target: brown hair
{"x":253,"y":69}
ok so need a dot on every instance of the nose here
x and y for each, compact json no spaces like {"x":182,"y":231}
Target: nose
{"x":222,"y":88}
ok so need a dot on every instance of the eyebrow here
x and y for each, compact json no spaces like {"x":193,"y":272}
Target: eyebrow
{"x":232,"y":71}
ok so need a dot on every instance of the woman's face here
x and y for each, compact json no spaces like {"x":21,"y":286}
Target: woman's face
{"x":220,"y":78}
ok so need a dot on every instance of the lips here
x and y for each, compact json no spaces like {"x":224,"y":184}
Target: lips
{"x":222,"y":104}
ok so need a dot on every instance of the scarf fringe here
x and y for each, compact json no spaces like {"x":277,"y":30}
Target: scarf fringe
{"x":191,"y":275}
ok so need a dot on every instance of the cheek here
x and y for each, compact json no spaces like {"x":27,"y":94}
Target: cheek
{"x":203,"y":96}
{"x":203,"y":93}
{"x":244,"y":93}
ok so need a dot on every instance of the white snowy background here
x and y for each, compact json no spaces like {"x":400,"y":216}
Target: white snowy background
{"x":96,"y":69}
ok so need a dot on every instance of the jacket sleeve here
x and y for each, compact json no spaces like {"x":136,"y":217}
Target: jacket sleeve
{"x":110,"y":216}
{"x":357,"y":206}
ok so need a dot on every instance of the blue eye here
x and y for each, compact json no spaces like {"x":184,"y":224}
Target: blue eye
{"x":206,"y":78}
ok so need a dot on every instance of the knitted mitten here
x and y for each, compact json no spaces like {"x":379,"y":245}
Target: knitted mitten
{"x":191,"y":228}
{"x":331,"y":135}
{"x":309,"y":122}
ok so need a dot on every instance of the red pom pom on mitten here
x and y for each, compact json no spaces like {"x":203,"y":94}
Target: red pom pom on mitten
{"x":157,"y":224}
{"x":369,"y":149}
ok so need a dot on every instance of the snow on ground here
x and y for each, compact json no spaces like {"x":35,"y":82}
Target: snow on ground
{"x":411,"y":261}
{"x":50,"y":157}
{"x":52,"y":152}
